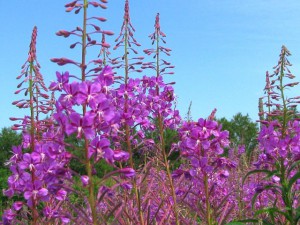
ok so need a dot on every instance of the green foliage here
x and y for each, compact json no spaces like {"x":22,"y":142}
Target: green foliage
{"x":170,"y":137}
{"x":4,"y":201}
{"x":75,"y":146}
{"x":8,"y":139}
{"x":242,"y":131}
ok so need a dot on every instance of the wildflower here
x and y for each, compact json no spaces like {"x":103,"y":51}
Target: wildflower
{"x":81,"y":125}
{"x":85,"y":180}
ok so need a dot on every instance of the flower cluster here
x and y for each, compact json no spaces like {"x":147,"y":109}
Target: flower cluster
{"x":276,"y":176}
{"x":204,"y":180}
{"x":132,"y":127}
{"x":38,"y":164}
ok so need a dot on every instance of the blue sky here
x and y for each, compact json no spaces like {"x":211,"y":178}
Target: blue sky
{"x":221,"y":48}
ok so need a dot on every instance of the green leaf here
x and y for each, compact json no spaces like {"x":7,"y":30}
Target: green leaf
{"x":235,"y":223}
{"x":293,"y":180}
{"x":297,"y":214}
{"x":266,"y":187}
{"x":242,"y":222}
{"x":270,"y":211}
{"x":265,"y":222}
{"x":269,"y":173}
{"x":272,"y":186}
{"x":293,"y":166}
{"x":254,"y":198}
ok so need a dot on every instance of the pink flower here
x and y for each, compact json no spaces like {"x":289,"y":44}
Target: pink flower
{"x":127,"y":172}
{"x":85,"y":180}
{"x":81,"y":125}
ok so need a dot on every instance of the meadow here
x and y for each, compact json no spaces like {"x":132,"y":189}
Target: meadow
{"x":105,"y":147}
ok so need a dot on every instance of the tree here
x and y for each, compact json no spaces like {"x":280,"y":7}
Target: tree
{"x":8,"y":138}
{"x":242,"y":131}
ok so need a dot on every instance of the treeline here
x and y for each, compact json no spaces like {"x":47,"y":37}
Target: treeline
{"x":241,"y":128}
{"x":242,"y":131}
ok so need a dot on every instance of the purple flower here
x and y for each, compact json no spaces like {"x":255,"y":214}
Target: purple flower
{"x":100,"y":148}
{"x":241,"y":149}
{"x":52,"y":149}
{"x":50,"y":213}
{"x":25,"y":140}
{"x":106,"y":76}
{"x":9,"y":192}
{"x":89,"y":93}
{"x":17,"y":154}
{"x":17,"y":205}
{"x":224,"y":173}
{"x":61,"y":80}
{"x":65,"y":219}
{"x":207,"y":128}
{"x":126,"y":186}
{"x":61,"y":195}
{"x":85,"y":180}
{"x":71,"y":91}
{"x":127,"y":172}
{"x":275,"y":179}
{"x":35,"y":192}
{"x":121,"y":156}
{"x":126,"y":91}
{"x":104,"y":110}
{"x":30,"y":161}
{"x":81,"y":125}
{"x":9,"y":215}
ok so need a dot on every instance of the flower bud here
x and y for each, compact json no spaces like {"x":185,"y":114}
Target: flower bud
{"x":85,"y":180}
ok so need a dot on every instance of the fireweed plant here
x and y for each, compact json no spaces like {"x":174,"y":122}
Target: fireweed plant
{"x":117,"y":118}
{"x":276,"y":195}
{"x":38,"y":164}
{"x":163,"y":96}
{"x":204,"y":187}
{"x":99,"y":122}
{"x":108,"y":118}
{"x":129,"y":100}
{"x":142,"y":102}
{"x":156,"y":98}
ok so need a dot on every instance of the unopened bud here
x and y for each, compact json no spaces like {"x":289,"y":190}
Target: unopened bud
{"x":105,"y":45}
{"x":69,"y":9}
{"x":108,"y":32}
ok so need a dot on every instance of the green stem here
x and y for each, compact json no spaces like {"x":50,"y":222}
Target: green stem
{"x":286,"y":192}
{"x":84,"y":36}
{"x":88,"y":163}
{"x":208,"y":215}
{"x":163,"y":149}
{"x":162,"y":138}
{"x":284,"y":122}
{"x":32,"y":119}
{"x":32,"y":138}
{"x":127,"y":128}
{"x":269,"y":106}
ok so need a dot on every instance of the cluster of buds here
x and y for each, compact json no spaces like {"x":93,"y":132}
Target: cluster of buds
{"x":86,"y":39}
{"x":276,"y":102}
{"x":127,"y":41}
{"x":160,"y":66}
{"x":36,"y":91}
